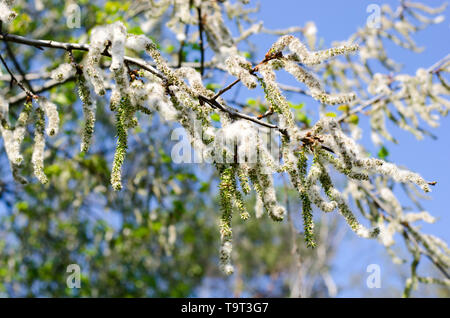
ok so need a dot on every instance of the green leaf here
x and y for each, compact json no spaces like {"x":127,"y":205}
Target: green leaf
{"x":53,"y":170}
{"x":344,"y":108}
{"x":212,"y":86}
{"x":247,"y":55}
{"x":135,"y":30}
{"x":215,"y":117}
{"x":204,"y":187}
{"x":296,"y":106}
{"x":164,"y":157}
{"x":22,"y":206}
{"x":170,"y":49}
{"x":330,"y":114}
{"x":353,"y":119}
{"x":383,"y":153}
{"x":251,"y":102}
{"x":301,"y":117}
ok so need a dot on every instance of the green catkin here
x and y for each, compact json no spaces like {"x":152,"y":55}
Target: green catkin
{"x":19,"y":134}
{"x":88,"y":113}
{"x":344,"y":209}
{"x":268,"y":96}
{"x":39,"y":144}
{"x":122,"y":144}
{"x":263,"y":186}
{"x":411,"y":282}
{"x":240,"y":205}
{"x":340,"y":166}
{"x":4,"y":122}
{"x":239,"y":202}
{"x":226,"y":235}
{"x":256,"y":185}
{"x":288,"y":164}
{"x":236,"y":194}
{"x":22,"y":122}
{"x":275,"y":97}
{"x":25,"y":114}
{"x":271,"y":206}
{"x":129,"y":119}
{"x":242,"y":173}
{"x":327,"y":185}
{"x":308,"y":222}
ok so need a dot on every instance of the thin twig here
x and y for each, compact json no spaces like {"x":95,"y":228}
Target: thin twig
{"x":17,"y":66}
{"x":407,"y":229}
{"x":29,"y":76}
{"x":202,"y":49}
{"x":215,"y":104}
{"x":46,"y":86}
{"x":73,"y":46}
{"x":293,"y":89}
{"x":432,"y":69}
{"x":180,"y":51}
{"x":233,"y":113}
{"x":267,"y":58}
{"x":267,"y":113}
{"x":227,"y":88}
{"x":361,"y":107}
{"x":13,"y":79}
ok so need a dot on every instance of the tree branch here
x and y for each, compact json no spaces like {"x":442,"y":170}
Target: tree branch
{"x":202,"y":49}
{"x":17,"y":66}
{"x":407,"y":229}
{"x":74,"y":46}
{"x":14,"y":79}
{"x":138,"y":62}
{"x":435,"y":68}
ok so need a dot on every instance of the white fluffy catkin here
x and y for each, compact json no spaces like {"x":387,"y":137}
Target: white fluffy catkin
{"x":62,"y":72}
{"x":100,"y":37}
{"x":119,"y":38}
{"x":239,"y":67}
{"x":51,"y":112}
{"x":37,"y":158}
{"x":6,"y":13}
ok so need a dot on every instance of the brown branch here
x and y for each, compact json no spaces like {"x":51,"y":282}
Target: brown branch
{"x":138,"y":62}
{"x":407,"y":229}
{"x":46,"y":86}
{"x":182,"y":43}
{"x":214,"y":104}
{"x":202,"y":49}
{"x":227,"y":88}
{"x":73,"y":46}
{"x":422,"y":251}
{"x":29,"y":76}
{"x":293,"y":89}
{"x":436,"y":67}
{"x":267,"y":113}
{"x":17,"y":66}
{"x":361,"y":107}
{"x":269,"y":56}
{"x":14,"y":79}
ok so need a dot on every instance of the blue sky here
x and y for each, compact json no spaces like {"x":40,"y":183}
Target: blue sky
{"x":336,"y":20}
